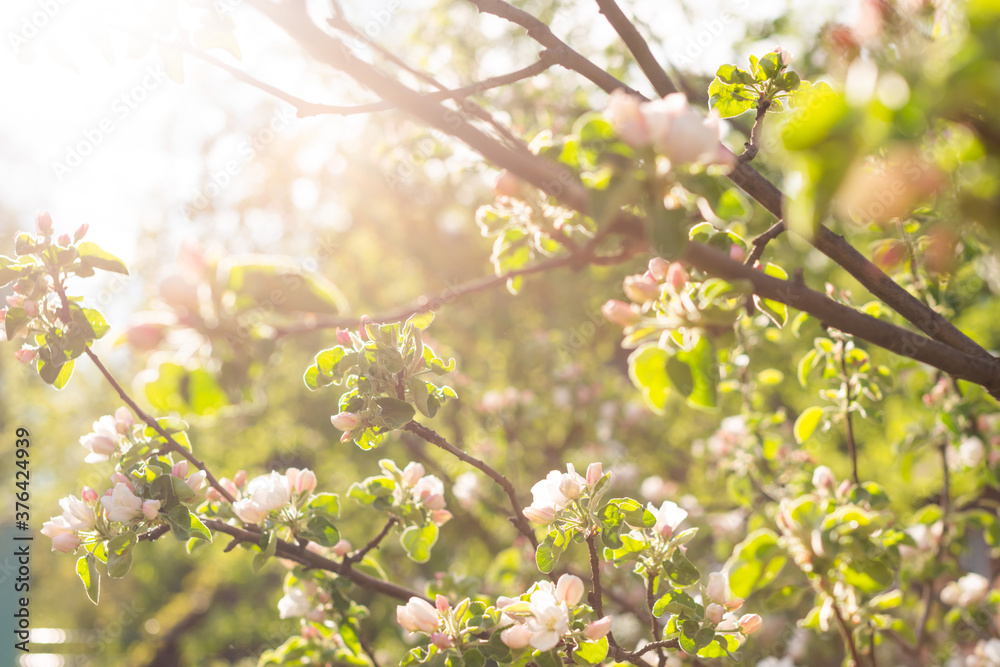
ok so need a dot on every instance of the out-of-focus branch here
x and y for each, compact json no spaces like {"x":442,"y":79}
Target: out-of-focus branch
{"x":638,"y":47}
{"x":541,"y":33}
{"x":305,"y":108}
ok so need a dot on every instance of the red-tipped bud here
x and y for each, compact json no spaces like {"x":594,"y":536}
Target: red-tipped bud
{"x":80,"y":232}
{"x":43,"y":223}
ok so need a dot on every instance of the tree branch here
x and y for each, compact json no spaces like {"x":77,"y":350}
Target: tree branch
{"x":518,"y":519}
{"x":638,"y":47}
{"x":761,"y":241}
{"x":310,"y":559}
{"x":889,"y":336}
{"x":538,"y":171}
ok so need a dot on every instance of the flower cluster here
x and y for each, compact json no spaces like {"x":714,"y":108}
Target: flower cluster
{"x":969,"y":591}
{"x":670,"y":126}
{"x":722,"y":605}
{"x":542,"y":617}
{"x":419,"y":489}
{"x":78,"y":515}
{"x":109,"y":433}
{"x":266,"y":493}
{"x":644,"y":289}
{"x":303,"y":599}
{"x":558,"y":490}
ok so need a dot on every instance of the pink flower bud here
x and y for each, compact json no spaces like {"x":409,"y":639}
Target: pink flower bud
{"x":240,"y":478}
{"x":441,"y":640}
{"x":342,"y":548}
{"x":750,"y":623}
{"x":594,"y":472}
{"x":65,"y":542}
{"x":180,"y":469}
{"x":88,"y":495}
{"x":540,"y":515}
{"x":124,"y":422}
{"x":151,"y":509}
{"x":736,"y":253}
{"x":31,"y":308}
{"x":145,"y":337}
{"x":569,"y":589}
{"x":441,"y":603}
{"x":80,"y":232}
{"x":440,"y":516}
{"x":120,"y":478}
{"x":516,"y":636}
{"x":306,"y":482}
{"x":823,"y":479}
{"x":714,"y":613}
{"x":507,"y":184}
{"x":197,"y":480}
{"x":212,"y":494}
{"x":677,"y":277}
{"x":43,"y":223}
{"x":25,"y":355}
{"x":363,"y":327}
{"x":343,"y":336}
{"x":345,"y":421}
{"x":598,"y":629}
{"x":620,"y":313}
{"x":64,"y":240}
{"x":658,"y":268}
{"x":412,"y":474}
{"x":639,"y":288}
{"x":3,"y":314}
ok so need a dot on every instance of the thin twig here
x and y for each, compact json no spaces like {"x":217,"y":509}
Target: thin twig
{"x":582,"y":257}
{"x":172,"y":445}
{"x":852,"y":451}
{"x":760,"y":242}
{"x":518,"y":519}
{"x":541,"y":33}
{"x":752,"y":146}
{"x":638,"y":47}
{"x":372,"y":543}
{"x":848,"y":636}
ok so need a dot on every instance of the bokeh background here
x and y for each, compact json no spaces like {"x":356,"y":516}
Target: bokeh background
{"x":94,"y":131}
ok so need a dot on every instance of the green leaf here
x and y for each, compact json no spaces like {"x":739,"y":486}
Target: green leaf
{"x":730,"y":100}
{"x":268,"y":547}
{"x":324,"y":371}
{"x":96,"y":321}
{"x":680,"y":570}
{"x":92,"y":256}
{"x":807,"y":422}
{"x":731,"y":74}
{"x":86,"y":569}
{"x":120,"y":555}
{"x":281,"y":284}
{"x":418,"y":540}
{"x":15,"y":320}
{"x":545,"y":555}
{"x":199,"y":530}
{"x":327,"y":503}
{"x":421,"y":320}
{"x":591,"y":652}
{"x":699,"y":382}
{"x":647,"y":366}
{"x":394,"y":412}
{"x":755,"y":562}
{"x":676,"y":602}
{"x":57,"y":376}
